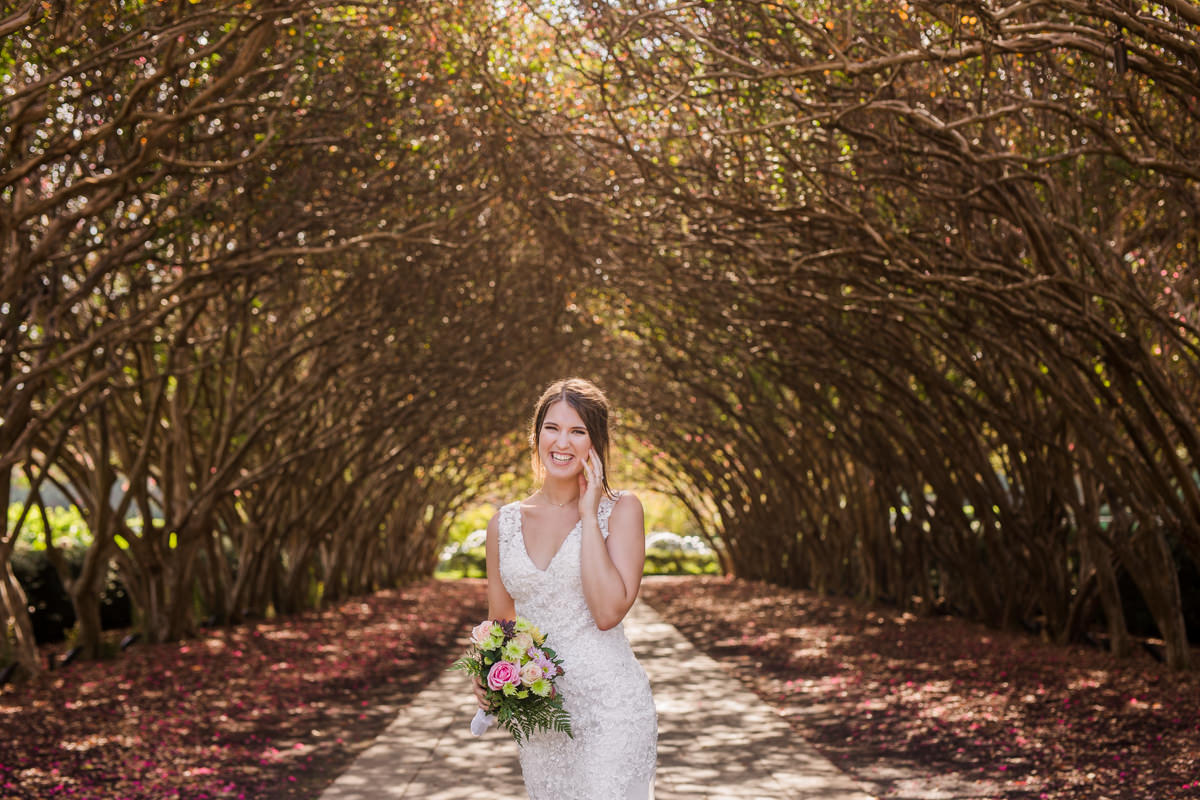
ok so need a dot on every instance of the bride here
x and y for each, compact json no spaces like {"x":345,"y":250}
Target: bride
{"x":569,"y":558}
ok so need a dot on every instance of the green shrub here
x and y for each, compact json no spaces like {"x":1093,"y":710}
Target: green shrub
{"x":671,"y":561}
{"x":67,"y":528}
{"x":465,"y":556}
{"x":459,"y":562}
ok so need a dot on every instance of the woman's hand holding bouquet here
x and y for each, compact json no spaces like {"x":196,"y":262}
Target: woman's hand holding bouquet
{"x":509,"y":659}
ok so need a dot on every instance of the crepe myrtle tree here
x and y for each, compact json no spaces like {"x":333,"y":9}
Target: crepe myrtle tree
{"x":953,"y":242}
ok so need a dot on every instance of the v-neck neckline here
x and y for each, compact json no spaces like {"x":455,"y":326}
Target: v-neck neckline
{"x":525,"y":547}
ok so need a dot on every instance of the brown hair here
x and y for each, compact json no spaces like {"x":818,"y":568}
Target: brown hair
{"x":591,"y":405}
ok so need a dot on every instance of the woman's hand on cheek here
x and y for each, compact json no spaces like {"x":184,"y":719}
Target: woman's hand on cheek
{"x":591,"y":485}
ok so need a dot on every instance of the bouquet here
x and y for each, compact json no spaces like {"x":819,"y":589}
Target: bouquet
{"x":511,"y":660}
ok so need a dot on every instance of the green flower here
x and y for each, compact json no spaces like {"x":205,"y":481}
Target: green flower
{"x":540,"y":687}
{"x":512,"y":652}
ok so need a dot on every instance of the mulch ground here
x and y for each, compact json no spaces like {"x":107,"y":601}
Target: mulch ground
{"x":260,"y":711}
{"x":937,"y":707}
{"x":914,"y":708}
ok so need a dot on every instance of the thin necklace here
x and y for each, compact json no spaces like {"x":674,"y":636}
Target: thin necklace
{"x":551,"y":502}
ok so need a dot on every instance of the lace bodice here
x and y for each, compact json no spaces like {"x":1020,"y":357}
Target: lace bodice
{"x":548,"y":594}
{"x":604,"y":688}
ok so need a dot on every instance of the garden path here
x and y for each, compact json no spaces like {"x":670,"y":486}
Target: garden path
{"x":717,"y":740}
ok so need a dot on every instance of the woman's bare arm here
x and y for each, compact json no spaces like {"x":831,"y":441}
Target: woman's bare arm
{"x":611,"y":571}
{"x":500,"y":603}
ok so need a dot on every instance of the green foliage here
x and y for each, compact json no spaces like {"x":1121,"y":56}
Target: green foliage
{"x":665,"y":513}
{"x":68,"y":529}
{"x":540,"y":716}
{"x":462,"y":564}
{"x":471,"y":520}
{"x":460,"y":558}
{"x":664,"y":561}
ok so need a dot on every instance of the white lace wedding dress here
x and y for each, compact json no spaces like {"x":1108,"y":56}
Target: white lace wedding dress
{"x":605,"y":690}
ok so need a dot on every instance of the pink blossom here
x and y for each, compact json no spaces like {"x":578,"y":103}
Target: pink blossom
{"x":503,"y":672}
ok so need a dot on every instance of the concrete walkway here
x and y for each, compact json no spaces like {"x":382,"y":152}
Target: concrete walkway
{"x":716,"y":739}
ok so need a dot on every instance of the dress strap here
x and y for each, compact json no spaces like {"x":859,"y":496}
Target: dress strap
{"x":509,"y":520}
{"x":605,"y":511}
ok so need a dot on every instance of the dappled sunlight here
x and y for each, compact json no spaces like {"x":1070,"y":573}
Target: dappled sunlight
{"x":937,"y":707}
{"x":715,"y":738}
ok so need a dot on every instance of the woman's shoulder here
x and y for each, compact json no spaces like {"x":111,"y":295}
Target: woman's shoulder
{"x":493,"y":525}
{"x":626,"y":497}
{"x":625,"y":503}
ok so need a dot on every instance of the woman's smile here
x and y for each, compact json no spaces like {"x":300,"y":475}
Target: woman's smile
{"x":563,"y":442}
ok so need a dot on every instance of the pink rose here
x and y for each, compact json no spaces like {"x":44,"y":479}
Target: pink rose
{"x":481,"y":632}
{"x":503,"y":672}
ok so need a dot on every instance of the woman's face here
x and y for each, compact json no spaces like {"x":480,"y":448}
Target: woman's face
{"x":563,"y":441}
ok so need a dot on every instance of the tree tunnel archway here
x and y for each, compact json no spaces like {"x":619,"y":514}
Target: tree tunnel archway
{"x":906,"y":295}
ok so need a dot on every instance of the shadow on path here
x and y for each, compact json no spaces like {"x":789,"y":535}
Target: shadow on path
{"x":717,"y":740}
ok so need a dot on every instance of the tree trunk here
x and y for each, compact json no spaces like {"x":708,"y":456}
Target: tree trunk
{"x":16,"y":614}
{"x":249,"y":568}
{"x":213,"y":579}
{"x":86,"y":591}
{"x":1119,"y":642}
{"x":299,"y":578}
{"x":13,"y":601}
{"x":1147,"y":557}
{"x":181,"y":584}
